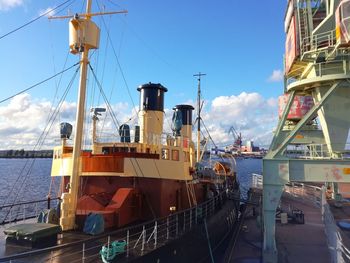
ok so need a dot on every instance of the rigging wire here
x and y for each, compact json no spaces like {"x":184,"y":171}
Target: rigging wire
{"x":114,"y":118}
{"x":113,"y":85}
{"x":149,"y":47}
{"x":39,"y":83}
{"x":205,"y":127}
{"x":116,"y":56}
{"x":104,"y":60}
{"x":44,"y":134}
{"x":40,"y":142}
{"x":33,"y":20}
{"x":57,"y":84}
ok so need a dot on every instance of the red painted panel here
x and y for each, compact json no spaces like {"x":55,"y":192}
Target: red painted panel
{"x":301,"y":105}
{"x":292,"y":48}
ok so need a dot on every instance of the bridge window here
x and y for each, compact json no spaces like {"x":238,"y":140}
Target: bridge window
{"x":165,"y":154}
{"x":175,"y":155}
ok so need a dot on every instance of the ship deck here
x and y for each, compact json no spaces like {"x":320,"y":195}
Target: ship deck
{"x":174,"y":233}
{"x":295,"y":242}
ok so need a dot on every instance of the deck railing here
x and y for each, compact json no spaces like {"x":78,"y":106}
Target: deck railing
{"x":140,"y":239}
{"x":25,"y":210}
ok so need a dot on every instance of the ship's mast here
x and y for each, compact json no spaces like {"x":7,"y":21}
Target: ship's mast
{"x":84,"y":35}
{"x":199,"y":115}
{"x":74,"y":179}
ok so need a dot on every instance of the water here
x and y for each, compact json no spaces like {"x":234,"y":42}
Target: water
{"x":245,"y":168}
{"x":29,"y":179}
{"x":24,"y":180}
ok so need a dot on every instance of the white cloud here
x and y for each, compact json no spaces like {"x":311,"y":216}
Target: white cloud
{"x":8,"y":4}
{"x":48,"y":11}
{"x":24,"y":118}
{"x":276,"y":76}
{"x":249,"y":113}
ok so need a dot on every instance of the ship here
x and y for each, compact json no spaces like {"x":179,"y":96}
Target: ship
{"x":142,"y":198}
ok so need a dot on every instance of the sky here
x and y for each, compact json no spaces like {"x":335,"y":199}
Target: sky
{"x":239,"y":45}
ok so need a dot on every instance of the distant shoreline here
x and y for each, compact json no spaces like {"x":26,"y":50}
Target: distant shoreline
{"x":23,"y":154}
{"x":29,"y":157}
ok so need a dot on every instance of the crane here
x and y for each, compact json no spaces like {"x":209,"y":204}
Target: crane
{"x":237,"y":143}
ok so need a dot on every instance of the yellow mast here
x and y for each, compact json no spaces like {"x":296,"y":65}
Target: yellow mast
{"x":83,"y":36}
{"x":68,"y":222}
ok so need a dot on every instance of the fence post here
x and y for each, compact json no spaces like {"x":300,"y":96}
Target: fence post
{"x":191,"y":218}
{"x":143,"y":238}
{"x":184,"y":221}
{"x":127,"y":243}
{"x":83,"y":259}
{"x":36,"y":209}
{"x":155,"y":234}
{"x":24,"y":212}
{"x":108,"y":245}
{"x":167,"y":228}
{"x":323,"y":197}
{"x":177,"y":224}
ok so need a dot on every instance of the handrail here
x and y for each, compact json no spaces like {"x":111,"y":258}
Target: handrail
{"x":30,"y":202}
{"x":22,"y":214}
{"x":161,"y":229}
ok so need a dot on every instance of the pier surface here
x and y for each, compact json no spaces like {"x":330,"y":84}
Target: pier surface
{"x":295,"y":242}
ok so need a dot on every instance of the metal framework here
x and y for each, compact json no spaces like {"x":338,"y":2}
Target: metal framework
{"x":322,"y":71}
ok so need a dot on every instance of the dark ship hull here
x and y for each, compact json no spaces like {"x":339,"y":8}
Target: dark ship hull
{"x":188,"y":236}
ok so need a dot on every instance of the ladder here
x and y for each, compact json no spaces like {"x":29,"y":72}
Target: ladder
{"x":191,"y":195}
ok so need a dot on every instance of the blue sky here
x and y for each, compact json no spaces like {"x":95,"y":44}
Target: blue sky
{"x":238,"y":44}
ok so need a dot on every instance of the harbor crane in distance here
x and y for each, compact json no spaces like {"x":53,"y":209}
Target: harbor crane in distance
{"x":237,"y":142}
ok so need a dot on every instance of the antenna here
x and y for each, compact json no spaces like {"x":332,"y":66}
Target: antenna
{"x":199,"y":108}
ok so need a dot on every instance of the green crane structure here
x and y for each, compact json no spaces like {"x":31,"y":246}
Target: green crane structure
{"x":317,"y":64}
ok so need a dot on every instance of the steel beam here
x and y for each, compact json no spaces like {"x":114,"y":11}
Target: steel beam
{"x":282,"y":120}
{"x":302,"y":122}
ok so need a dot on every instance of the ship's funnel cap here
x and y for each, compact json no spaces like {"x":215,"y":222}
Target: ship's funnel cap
{"x":152,"y":96}
{"x":66,"y":130}
{"x":186,"y":112}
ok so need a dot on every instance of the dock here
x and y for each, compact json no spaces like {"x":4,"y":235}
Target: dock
{"x":295,"y":242}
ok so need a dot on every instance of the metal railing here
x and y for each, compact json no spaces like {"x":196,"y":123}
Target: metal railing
{"x":317,"y":195}
{"x":321,"y":69}
{"x":340,"y":253}
{"x":315,"y":152}
{"x":140,"y":239}
{"x":316,"y":42}
{"x":305,"y":192}
{"x":257,"y":181}
{"x":22,"y":211}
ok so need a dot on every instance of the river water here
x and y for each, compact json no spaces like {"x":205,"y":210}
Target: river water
{"x":29,"y":179}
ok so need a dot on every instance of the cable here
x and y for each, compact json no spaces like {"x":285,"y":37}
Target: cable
{"x":116,"y":56}
{"x":114,"y":118}
{"x":45,"y":132}
{"x":39,"y":143}
{"x":35,"y":19}
{"x":39,"y":83}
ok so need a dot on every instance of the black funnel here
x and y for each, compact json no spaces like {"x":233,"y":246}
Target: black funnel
{"x":186,"y":112}
{"x":152,"y":96}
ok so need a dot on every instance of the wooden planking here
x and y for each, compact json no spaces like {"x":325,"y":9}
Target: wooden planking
{"x":103,"y":164}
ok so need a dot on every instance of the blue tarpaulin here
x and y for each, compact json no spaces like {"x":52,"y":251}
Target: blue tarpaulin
{"x":94,"y":224}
